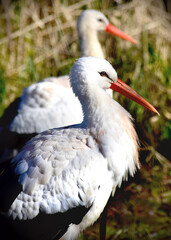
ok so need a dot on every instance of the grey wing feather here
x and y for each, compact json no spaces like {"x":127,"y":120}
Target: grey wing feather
{"x":55,"y":167}
{"x":56,"y":172}
{"x":46,"y":105}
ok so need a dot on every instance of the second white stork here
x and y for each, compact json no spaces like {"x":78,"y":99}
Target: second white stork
{"x":51,"y":103}
{"x":62,"y":179}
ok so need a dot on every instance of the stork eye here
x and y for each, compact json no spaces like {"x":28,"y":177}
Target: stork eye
{"x":100,"y":19}
{"x":103,"y":74}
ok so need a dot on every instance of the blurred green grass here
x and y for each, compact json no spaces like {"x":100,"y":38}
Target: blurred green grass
{"x":140,"y":209}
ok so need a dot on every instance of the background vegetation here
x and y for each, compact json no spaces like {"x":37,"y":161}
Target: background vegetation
{"x":39,"y":39}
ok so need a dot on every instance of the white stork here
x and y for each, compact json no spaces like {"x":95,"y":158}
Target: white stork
{"x":62,"y":179}
{"x":51,"y":103}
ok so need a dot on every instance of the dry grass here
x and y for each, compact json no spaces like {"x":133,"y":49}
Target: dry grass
{"x":39,"y":38}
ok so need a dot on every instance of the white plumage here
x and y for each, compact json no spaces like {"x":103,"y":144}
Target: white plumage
{"x":47,"y":104}
{"x":51,"y":103}
{"x":54,"y":108}
{"x":68,"y":174}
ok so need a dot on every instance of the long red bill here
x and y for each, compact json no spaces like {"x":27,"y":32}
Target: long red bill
{"x":113,"y":30}
{"x":127,"y":91}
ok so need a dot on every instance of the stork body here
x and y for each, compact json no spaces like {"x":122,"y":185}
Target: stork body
{"x":64,"y":177}
{"x":51,"y":103}
{"x":47,"y":104}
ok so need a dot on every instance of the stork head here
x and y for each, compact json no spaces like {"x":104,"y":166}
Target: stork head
{"x":92,"y":72}
{"x":96,"y":21}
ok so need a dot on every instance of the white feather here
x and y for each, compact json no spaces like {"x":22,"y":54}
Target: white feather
{"x":80,"y":165}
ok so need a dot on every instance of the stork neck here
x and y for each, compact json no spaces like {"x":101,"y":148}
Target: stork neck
{"x":110,"y":125}
{"x":112,"y":128}
{"x":96,"y":110}
{"x":89,"y":44}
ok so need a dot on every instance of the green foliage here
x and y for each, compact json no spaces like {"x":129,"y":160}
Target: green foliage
{"x":30,"y":72}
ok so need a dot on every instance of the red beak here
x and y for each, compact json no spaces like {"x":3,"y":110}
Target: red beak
{"x":125,"y":90}
{"x":115,"y":31}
